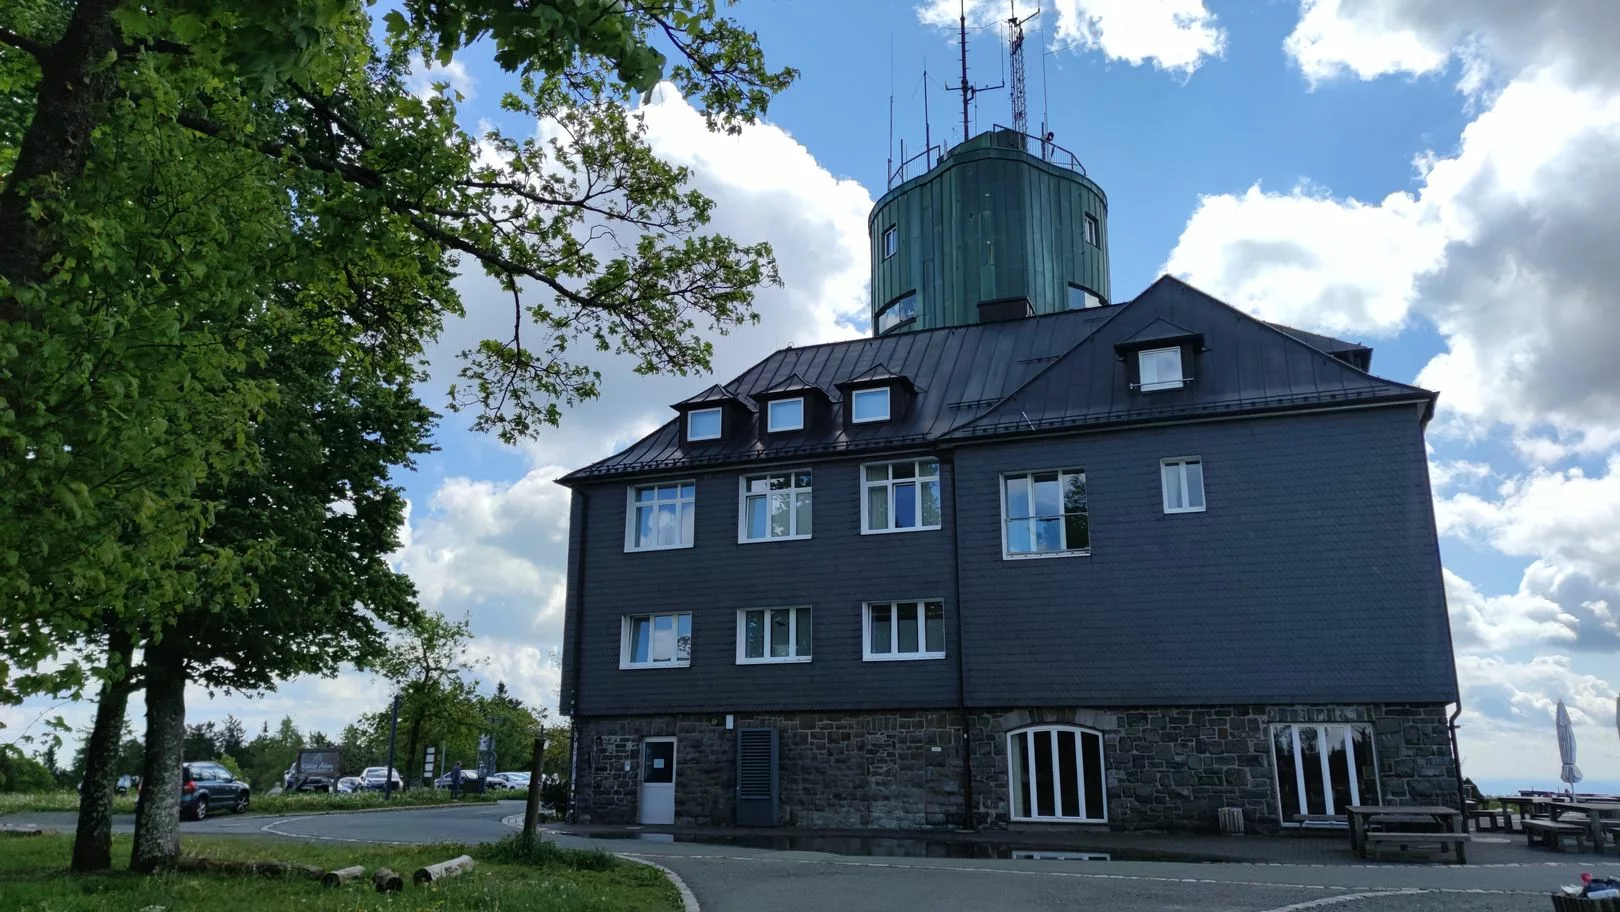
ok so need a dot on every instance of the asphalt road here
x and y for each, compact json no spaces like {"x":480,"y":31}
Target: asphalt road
{"x":731,"y":879}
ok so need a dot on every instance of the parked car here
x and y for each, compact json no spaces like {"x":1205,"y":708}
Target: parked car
{"x":375,"y":778}
{"x":348,"y":784}
{"x":205,"y":786}
{"x":511,"y":780}
{"x":469,"y":779}
{"x":293,"y":782}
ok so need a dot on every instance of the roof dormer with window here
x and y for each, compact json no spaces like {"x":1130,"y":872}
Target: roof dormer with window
{"x":791,"y":406}
{"x":876,"y":396}
{"x":1160,"y":357}
{"x":711,"y":417}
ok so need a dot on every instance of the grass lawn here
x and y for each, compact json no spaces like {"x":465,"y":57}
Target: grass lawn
{"x":34,"y":878}
{"x":303,"y":802}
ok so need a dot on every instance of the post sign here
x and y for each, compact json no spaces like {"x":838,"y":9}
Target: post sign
{"x":324,"y":762}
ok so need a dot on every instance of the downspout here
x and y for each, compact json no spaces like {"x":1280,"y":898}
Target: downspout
{"x":1456,"y":762}
{"x":578,"y":622}
{"x":968,"y":822}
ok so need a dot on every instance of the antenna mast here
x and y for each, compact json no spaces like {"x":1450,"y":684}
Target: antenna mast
{"x":1015,"y":44}
{"x":967,"y":89}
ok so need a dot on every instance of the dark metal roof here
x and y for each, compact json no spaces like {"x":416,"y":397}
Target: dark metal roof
{"x":1326,"y":343}
{"x":1008,"y":377}
{"x":715,"y":395}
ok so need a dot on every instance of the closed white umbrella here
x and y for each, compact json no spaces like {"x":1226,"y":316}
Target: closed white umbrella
{"x":1568,"y":771}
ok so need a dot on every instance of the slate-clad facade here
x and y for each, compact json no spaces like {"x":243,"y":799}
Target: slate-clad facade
{"x":1226,"y":592}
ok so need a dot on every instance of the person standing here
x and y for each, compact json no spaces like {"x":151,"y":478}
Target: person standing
{"x":455,"y":782}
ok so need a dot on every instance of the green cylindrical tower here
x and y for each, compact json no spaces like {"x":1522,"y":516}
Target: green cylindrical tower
{"x":990,"y":224}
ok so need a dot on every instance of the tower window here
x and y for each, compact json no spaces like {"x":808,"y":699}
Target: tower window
{"x":1080,"y":298}
{"x":891,"y":242}
{"x":1092,"y":231}
{"x":900,"y":310}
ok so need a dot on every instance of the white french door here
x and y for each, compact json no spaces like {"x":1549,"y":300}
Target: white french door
{"x":1323,"y":769}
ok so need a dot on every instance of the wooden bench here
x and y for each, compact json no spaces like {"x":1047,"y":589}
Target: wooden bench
{"x":1494,"y":818}
{"x":1553,"y":833}
{"x":1457,"y":842}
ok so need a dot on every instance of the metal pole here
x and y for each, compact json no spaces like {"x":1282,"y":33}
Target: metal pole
{"x":393,"y":732}
{"x":531,"y":810}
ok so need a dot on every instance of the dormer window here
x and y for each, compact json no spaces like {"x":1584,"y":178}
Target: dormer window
{"x":703,"y":424}
{"x":868,"y":405}
{"x":1160,"y":369}
{"x":784,"y":415}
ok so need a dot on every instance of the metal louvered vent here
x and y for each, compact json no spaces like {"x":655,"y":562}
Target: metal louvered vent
{"x":758,"y":785}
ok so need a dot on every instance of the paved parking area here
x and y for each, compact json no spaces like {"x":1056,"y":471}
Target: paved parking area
{"x":1280,"y":875}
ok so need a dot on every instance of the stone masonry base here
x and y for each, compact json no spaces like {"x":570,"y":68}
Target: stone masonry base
{"x":1164,"y":768}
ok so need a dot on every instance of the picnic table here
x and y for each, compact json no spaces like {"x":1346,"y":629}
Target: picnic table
{"x":1407,"y":825}
{"x":1596,"y":812}
{"x":1525,"y":804}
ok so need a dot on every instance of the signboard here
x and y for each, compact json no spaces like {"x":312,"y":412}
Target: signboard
{"x":325,"y":762}
{"x":427,"y":765}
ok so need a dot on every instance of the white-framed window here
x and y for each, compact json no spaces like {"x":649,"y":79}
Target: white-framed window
{"x":1092,"y":230}
{"x":1160,"y":369}
{"x":1081,"y":299}
{"x":869,"y":405}
{"x":657,"y":640}
{"x":773,"y":635}
{"x":898,"y":631}
{"x":901,"y":310}
{"x":661,"y":516}
{"x":891,"y":242}
{"x":1055,"y":772}
{"x":703,"y":424}
{"x":1183,"y":481}
{"x":900,"y":496}
{"x":1044,"y":513}
{"x":784,"y":415}
{"x":1323,"y":769}
{"x":775,"y":505}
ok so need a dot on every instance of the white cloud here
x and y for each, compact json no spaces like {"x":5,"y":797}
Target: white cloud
{"x":1372,"y":38}
{"x":424,"y":74}
{"x":1506,"y":729}
{"x":1308,"y":260}
{"x":1503,"y":248}
{"x":1504,"y":622}
{"x":1174,"y":35}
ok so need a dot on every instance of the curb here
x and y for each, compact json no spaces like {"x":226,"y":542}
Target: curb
{"x":382,"y":810}
{"x":689,"y":901}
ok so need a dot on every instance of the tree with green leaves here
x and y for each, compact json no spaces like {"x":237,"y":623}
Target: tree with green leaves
{"x":165,"y":166}
{"x":427,"y":665}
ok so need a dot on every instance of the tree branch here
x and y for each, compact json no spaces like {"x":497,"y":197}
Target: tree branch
{"x":36,"y":50}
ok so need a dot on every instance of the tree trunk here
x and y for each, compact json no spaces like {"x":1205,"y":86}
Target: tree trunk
{"x":74,"y":89}
{"x":157,"y":815}
{"x":412,"y":745}
{"x":92,"y":838}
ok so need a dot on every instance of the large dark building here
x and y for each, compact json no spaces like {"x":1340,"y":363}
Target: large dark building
{"x":1025,"y":556}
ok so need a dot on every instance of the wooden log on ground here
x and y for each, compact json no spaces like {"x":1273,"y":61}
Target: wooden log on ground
{"x":386,"y":881}
{"x":199,"y":864}
{"x":342,"y":876}
{"x":19,"y":829}
{"x":461,"y":864}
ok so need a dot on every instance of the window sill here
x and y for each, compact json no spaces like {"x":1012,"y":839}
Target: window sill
{"x":1161,"y":386}
{"x":789,"y":660}
{"x":898,"y":531}
{"x":779,"y":538}
{"x":1058,"y":820}
{"x":1044,"y":555}
{"x":1186,"y":510}
{"x":903,"y":657}
{"x":630,"y":550}
{"x":629,"y":666}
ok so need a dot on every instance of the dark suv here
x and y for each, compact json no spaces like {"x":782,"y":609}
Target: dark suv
{"x":206,"y":786}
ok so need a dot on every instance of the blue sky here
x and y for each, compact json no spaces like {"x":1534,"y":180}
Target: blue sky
{"x":1438,"y":180}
